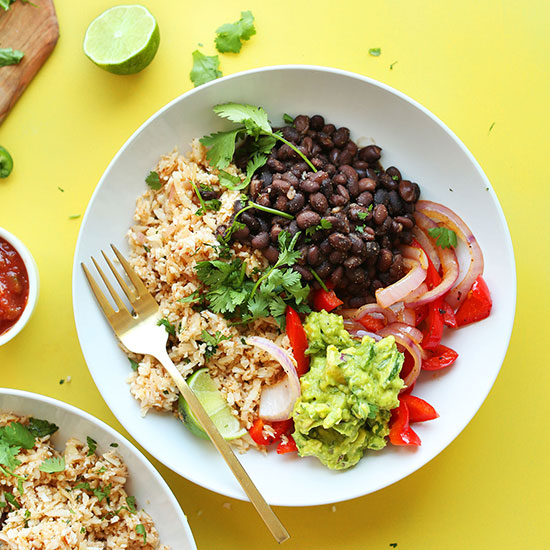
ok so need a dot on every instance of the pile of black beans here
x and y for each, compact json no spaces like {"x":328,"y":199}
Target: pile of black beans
{"x":368,"y":210}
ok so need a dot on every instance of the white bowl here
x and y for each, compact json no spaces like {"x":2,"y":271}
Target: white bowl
{"x":426,"y":151}
{"x":32,"y":272}
{"x":144,"y":482}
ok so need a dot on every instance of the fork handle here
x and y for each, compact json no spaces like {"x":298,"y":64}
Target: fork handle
{"x":271,"y":520}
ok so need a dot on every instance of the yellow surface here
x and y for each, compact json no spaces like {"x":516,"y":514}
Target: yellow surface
{"x":473,"y":64}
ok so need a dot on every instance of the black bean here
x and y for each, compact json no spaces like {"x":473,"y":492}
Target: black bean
{"x":315,"y":149}
{"x":337,"y":276}
{"x":280,"y":186}
{"x":356,"y":275}
{"x":255,"y":187}
{"x":372,"y":248}
{"x":316,"y":122}
{"x":341,"y":190}
{"x":325,"y":141}
{"x":296,"y":204}
{"x":285,"y":152}
{"x":324,"y":270}
{"x":368,"y":233}
{"x":266,"y":177}
{"x":381,"y":197}
{"x":395,"y":203}
{"x":290,"y":134}
{"x":356,"y":301}
{"x":301,"y":123}
{"x":306,"y":146}
{"x":319,"y":202}
{"x":387,"y":182}
{"x":307,"y":219}
{"x":291,"y":178}
{"x":260,"y":241}
{"x":360,"y":165}
{"x":351,"y":147}
{"x":333,"y":155}
{"x":394,"y":173}
{"x":271,"y":254}
{"x":318,"y":163}
{"x":329,"y":129}
{"x":339,"y":241}
{"x":407,"y":190}
{"x":341,"y":137}
{"x":416,"y":191}
{"x":263,"y":199}
{"x":251,"y":221}
{"x":281,"y":203}
{"x":405,"y":221}
{"x":241,"y":234}
{"x":385,"y":259}
{"x":396,"y":227}
{"x":357,"y":244}
{"x":274,"y":233}
{"x":313,"y":255}
{"x":302,"y":258}
{"x":365,"y":198}
{"x":372,"y":174}
{"x":330,"y":168}
{"x":275,"y":165}
{"x":309,"y":185}
{"x":366,"y":184}
{"x":352,"y":262}
{"x":359,"y":214}
{"x":292,"y":228}
{"x":339,"y":179}
{"x":299,"y":168}
{"x":370,"y":153}
{"x":337,"y":200}
{"x":336,"y":257}
{"x":352,"y":179}
{"x":345,"y":157}
{"x":325,"y":247}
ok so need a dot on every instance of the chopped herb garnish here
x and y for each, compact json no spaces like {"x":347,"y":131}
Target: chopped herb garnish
{"x":102,"y":470}
{"x":212,"y":342}
{"x":491,"y":127}
{"x":212,"y":204}
{"x":445,"y":238}
{"x":12,"y":500}
{"x":41,"y":428}
{"x":84,"y":485}
{"x":391,"y":66}
{"x":102,"y":492}
{"x":153,"y":180}
{"x":61,"y":189}
{"x":9,"y":56}
{"x":62,"y":381}
{"x":205,"y":68}
{"x":395,"y":178}
{"x":53,"y":465}
{"x":169,"y":327}
{"x":231,"y":35}
{"x":140,"y":530}
{"x":288,"y":119}
{"x":375,"y":52}
{"x":131,"y":503}
{"x":146,"y":248}
{"x":133,"y":364}
{"x":92,"y":445}
{"x":323,"y":224}
{"x":20,"y":486}
{"x":83,"y":530}
{"x":113,"y":445}
{"x":194,"y":297}
{"x":74,"y":216}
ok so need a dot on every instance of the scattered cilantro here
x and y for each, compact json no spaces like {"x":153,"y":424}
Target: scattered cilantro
{"x":53,"y":465}
{"x":133,"y":364}
{"x":360,"y":228}
{"x":2,"y":505}
{"x":9,"y":56}
{"x":288,"y":119}
{"x":83,"y":530}
{"x":13,"y":438}
{"x":92,"y":445}
{"x":85,"y":485}
{"x":194,"y":297}
{"x":395,"y":178}
{"x":491,"y":127}
{"x":212,"y":204}
{"x":20,"y":486}
{"x":41,"y":428}
{"x":205,"y":68}
{"x":62,"y":381}
{"x":12,"y":500}
{"x":393,"y":544}
{"x":445,"y":238}
{"x":323,"y":224}
{"x":153,"y":180}
{"x":102,"y":492}
{"x":255,"y":125}
{"x":113,"y":445}
{"x":102,"y":470}
{"x":212,"y":342}
{"x":146,"y":248}
{"x":231,"y":35}
{"x":391,"y":66}
{"x":318,"y":279}
{"x":74,"y":216}
{"x":131,"y":503}
{"x":140,"y":530}
{"x":169,"y":327}
{"x":61,"y":189}
{"x":375,"y":52}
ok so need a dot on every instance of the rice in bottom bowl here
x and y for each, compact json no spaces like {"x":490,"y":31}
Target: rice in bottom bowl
{"x":84,"y":506}
{"x":167,"y":241}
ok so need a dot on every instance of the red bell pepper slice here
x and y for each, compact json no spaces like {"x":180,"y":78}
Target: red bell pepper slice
{"x":434,"y":325}
{"x":477,"y":305}
{"x":449,"y":315}
{"x":400,"y":431}
{"x":442,"y":357}
{"x":372,"y":324}
{"x":298,"y":340}
{"x":325,"y":299}
{"x":419,"y":410}
{"x":280,"y":428}
{"x":288,"y":447}
{"x":421,"y":313}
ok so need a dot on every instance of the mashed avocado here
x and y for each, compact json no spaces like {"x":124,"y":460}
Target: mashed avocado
{"x":347,"y":394}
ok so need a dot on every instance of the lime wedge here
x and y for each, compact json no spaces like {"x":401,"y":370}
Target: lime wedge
{"x":123,"y":39}
{"x":214,"y":404}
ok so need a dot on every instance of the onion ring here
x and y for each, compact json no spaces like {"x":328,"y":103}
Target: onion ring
{"x":442,"y":214}
{"x":369,"y":309}
{"x":407,"y":315}
{"x":406,"y":342}
{"x":403,"y":328}
{"x":426,"y":243}
{"x":398,"y":290}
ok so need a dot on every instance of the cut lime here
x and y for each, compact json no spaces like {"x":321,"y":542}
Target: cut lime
{"x":214,"y":404}
{"x":123,"y":39}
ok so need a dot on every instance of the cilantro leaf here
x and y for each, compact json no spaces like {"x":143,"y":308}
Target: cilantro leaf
{"x":131,"y":503}
{"x":222,"y":147}
{"x":41,"y":428}
{"x":153,"y":180}
{"x":288,"y":119}
{"x":192,"y":298}
{"x":230,"y":181}
{"x":231,"y":35}
{"x":445,"y":238}
{"x":102,"y":492}
{"x":323,"y":224}
{"x":53,"y":465}
{"x":212,"y":342}
{"x":205,"y":68}
{"x":8,"y":454}
{"x":133,"y":364}
{"x":168,"y":326}
{"x":85,"y":485}
{"x":16,"y":434}
{"x":256,"y":161}
{"x":375,"y":52}
{"x":92,"y":445}
{"x":12,"y":500}
{"x":243,"y":114}
{"x":9,"y":56}
{"x":140,"y":530}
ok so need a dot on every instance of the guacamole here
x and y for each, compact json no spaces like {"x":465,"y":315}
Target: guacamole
{"x":347,"y":394}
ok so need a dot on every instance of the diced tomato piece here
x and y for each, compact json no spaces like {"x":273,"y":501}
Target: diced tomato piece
{"x":298,"y":340}
{"x":442,"y":357}
{"x":449,"y":318}
{"x":372,"y":324}
{"x":288,"y":447}
{"x":419,"y":410}
{"x":279,"y":428}
{"x":327,"y":300}
{"x":477,"y":305}
{"x":400,"y":431}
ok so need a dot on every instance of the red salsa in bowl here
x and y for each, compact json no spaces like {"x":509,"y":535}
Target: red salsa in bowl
{"x":14,"y":286}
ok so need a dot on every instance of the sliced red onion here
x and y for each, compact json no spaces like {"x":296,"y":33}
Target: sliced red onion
{"x":369,"y":309}
{"x":406,"y":342}
{"x":442,"y":214}
{"x":398,"y":290}
{"x":415,"y":294}
{"x":409,"y":330}
{"x":277,"y":401}
{"x":408,"y":315}
{"x":426,"y":243}
{"x":359,"y":333}
{"x":415,"y":253}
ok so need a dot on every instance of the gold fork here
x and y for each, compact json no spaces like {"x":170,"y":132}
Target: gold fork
{"x":141,"y":334}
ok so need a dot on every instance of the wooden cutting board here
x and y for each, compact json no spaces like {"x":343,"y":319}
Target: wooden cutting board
{"x":33,"y":29}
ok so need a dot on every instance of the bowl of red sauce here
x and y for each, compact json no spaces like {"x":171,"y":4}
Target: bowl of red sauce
{"x":18,"y":285}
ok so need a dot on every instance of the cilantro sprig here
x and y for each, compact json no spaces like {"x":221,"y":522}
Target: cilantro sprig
{"x":256,"y":126}
{"x":444,"y":237}
{"x":323,"y":224}
{"x":212,"y":342}
{"x":229,"y":37}
{"x":205,"y":68}
{"x":9,"y":56}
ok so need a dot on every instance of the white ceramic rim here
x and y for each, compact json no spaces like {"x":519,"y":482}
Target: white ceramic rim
{"x":114,"y":434}
{"x":507,"y":237}
{"x":34,"y":285}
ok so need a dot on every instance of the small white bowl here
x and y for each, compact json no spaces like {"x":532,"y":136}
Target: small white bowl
{"x":34,"y":285}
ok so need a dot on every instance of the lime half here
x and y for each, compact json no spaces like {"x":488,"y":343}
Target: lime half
{"x":214,"y":404}
{"x":123,"y":39}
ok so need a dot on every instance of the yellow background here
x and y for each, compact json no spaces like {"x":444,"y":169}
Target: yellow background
{"x":473,"y":63}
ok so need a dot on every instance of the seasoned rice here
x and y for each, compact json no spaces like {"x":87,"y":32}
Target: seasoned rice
{"x":167,"y":240}
{"x":61,"y":511}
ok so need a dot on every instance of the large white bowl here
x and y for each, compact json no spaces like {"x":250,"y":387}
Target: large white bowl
{"x":151,"y":491}
{"x":415,"y":141}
